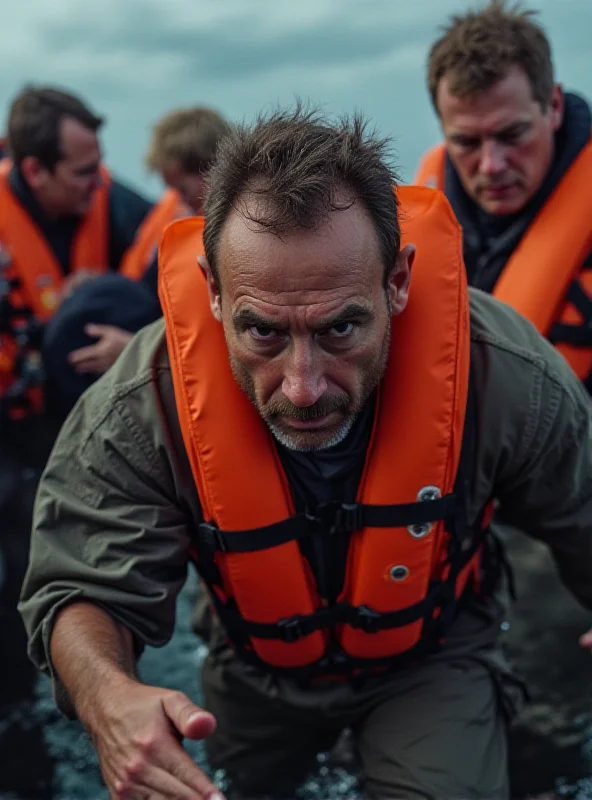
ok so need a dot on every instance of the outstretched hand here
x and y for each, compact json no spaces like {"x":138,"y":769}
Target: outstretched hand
{"x":138,"y":734}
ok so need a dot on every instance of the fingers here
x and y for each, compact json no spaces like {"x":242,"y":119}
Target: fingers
{"x":91,"y":367}
{"x":178,"y":763}
{"x":586,"y":640}
{"x":190,"y":720}
{"x":89,"y":353}
{"x":157,"y":783}
{"x":158,"y":768}
{"x":92,"y":329}
{"x":90,"y":360}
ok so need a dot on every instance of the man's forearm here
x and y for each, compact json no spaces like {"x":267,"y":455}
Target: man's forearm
{"x":90,"y":650}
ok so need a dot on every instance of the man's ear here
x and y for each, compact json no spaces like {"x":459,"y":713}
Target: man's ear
{"x":557,"y":107}
{"x":399,"y":279}
{"x":34,"y":173}
{"x":213,"y":290}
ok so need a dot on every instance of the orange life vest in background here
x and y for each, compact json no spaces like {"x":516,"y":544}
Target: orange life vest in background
{"x":411,"y":554}
{"x":431,"y":168}
{"x":548,"y":278}
{"x":31,"y":277}
{"x":27,"y":257}
{"x":142,"y":252}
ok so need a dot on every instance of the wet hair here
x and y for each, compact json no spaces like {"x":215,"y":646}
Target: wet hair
{"x":34,"y":123}
{"x":478,"y":48}
{"x":300,"y":166}
{"x":187,"y":136}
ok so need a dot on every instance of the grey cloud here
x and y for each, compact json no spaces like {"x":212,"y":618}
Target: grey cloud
{"x":239,"y":50}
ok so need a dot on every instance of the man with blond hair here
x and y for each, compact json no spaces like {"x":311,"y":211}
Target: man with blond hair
{"x":183,"y":148}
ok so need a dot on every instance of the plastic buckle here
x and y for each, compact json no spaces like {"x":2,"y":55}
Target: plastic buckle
{"x":290,"y":630}
{"x":211,"y":537}
{"x":348,"y":518}
{"x":367,"y":619}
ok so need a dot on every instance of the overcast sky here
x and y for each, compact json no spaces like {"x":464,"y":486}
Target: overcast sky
{"x":134,"y":60}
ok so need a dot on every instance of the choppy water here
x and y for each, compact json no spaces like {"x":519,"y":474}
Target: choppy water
{"x":45,"y":757}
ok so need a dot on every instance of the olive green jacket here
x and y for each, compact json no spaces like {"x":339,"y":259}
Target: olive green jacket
{"x":117,"y":498}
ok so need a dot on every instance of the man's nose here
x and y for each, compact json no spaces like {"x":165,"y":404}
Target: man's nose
{"x":493,"y":159}
{"x":304,"y":382}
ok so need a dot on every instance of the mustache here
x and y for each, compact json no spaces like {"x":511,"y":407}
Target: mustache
{"x":282,"y":407}
{"x":507,"y":181}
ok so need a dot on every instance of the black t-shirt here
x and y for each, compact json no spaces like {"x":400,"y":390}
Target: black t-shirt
{"x":329,"y":476}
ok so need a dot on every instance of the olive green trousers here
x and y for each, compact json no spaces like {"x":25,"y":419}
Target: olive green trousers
{"x":436,"y":729}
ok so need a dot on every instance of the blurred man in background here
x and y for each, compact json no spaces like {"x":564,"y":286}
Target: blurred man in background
{"x":181,"y":151}
{"x":63,"y":220}
{"x":516,"y":165}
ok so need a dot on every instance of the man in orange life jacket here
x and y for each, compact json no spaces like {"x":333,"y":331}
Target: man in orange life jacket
{"x":181,"y":151}
{"x":320,"y":423}
{"x":63,"y":219}
{"x":516,"y":165}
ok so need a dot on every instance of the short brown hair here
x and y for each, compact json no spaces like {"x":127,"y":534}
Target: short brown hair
{"x":296,"y":162}
{"x":478,"y":48}
{"x":187,"y":136}
{"x":34,"y":123}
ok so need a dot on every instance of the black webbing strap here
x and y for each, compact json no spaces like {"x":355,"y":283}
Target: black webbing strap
{"x":441,"y":595}
{"x":578,"y":335}
{"x":294,"y":628}
{"x":330,"y":519}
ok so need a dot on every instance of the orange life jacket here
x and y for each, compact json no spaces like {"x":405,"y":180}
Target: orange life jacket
{"x":411,"y":553}
{"x":30,"y":282}
{"x":548,"y":277}
{"x":141,"y":253}
{"x":431,"y":168}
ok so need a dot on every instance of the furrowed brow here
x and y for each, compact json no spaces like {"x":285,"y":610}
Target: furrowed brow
{"x":351,"y":313}
{"x":247,"y":318}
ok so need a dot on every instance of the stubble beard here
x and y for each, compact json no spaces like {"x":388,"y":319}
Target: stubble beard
{"x":315,"y":439}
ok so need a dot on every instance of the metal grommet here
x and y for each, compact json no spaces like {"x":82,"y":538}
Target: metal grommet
{"x":425,"y":494}
{"x":428,"y":493}
{"x":420,"y":530}
{"x":398,"y":573}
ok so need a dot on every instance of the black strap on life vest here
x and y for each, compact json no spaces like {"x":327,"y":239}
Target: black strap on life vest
{"x":437,"y":609}
{"x":331,"y":519}
{"x":579,"y":335}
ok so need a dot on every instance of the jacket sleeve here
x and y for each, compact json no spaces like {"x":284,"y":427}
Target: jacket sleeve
{"x":108,"y":524}
{"x":547,"y":493}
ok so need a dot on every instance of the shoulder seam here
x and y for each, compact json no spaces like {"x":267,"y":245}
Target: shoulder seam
{"x":528,"y":356}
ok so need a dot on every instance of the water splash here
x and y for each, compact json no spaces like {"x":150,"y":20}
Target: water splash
{"x":58,"y":761}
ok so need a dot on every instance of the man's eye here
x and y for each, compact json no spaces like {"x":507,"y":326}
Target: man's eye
{"x":262,"y":332}
{"x":342,"y":329}
{"x":511,"y":137}
{"x":467,"y":144}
